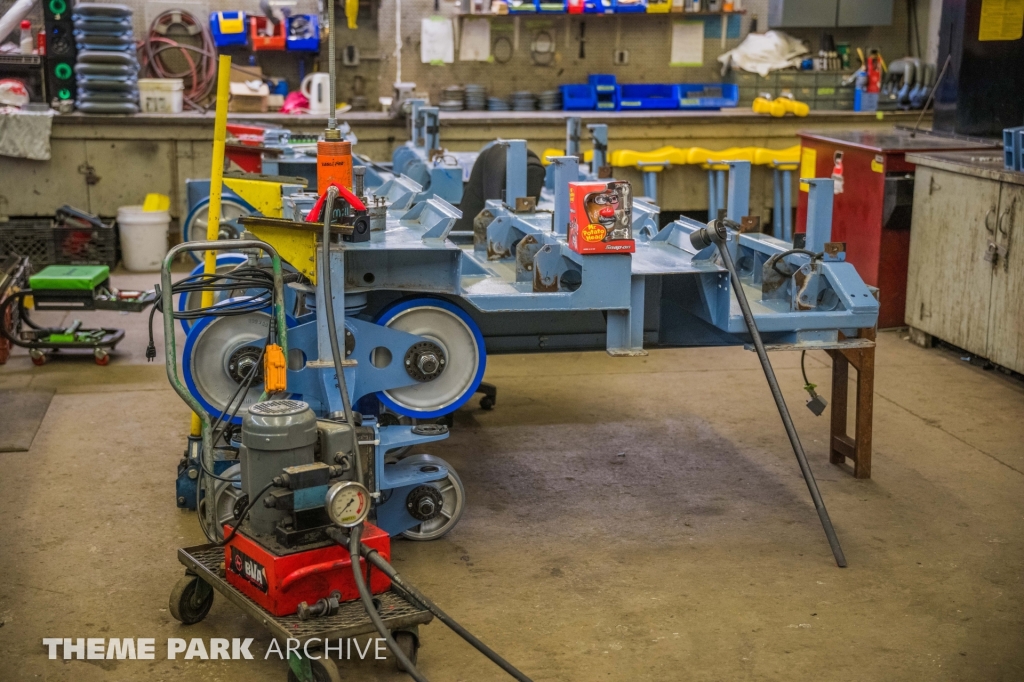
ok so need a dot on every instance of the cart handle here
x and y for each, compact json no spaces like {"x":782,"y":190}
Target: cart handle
{"x":170,"y":352}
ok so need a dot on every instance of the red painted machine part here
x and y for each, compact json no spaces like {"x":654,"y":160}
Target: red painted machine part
{"x":304,"y":576}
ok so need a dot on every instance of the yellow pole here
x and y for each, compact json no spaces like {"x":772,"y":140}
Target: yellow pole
{"x":220,"y":126}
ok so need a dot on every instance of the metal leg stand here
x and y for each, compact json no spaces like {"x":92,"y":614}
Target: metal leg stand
{"x":841,"y":445}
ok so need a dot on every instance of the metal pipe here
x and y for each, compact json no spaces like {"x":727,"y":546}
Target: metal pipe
{"x":332,"y":115}
{"x":715,"y":233}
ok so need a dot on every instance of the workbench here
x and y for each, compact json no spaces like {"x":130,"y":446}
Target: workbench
{"x":966,"y":267}
{"x":92,"y":153}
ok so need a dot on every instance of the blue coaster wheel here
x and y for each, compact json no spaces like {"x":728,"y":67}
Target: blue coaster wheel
{"x":217,"y":353}
{"x":231,"y":209}
{"x":226,"y":262}
{"x":462,"y":345}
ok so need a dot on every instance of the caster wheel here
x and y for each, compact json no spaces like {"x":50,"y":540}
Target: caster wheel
{"x":453,"y":502}
{"x":102,"y":357}
{"x":191,"y":600}
{"x":324,"y":670}
{"x":487,"y":403}
{"x":38,"y":358}
{"x":409,"y":643}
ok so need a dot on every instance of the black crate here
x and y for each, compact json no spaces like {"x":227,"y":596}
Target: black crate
{"x":92,"y":245}
{"x":47,"y":243}
{"x":29,"y":237}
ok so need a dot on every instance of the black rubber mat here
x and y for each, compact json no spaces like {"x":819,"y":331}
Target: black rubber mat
{"x":21,"y":413}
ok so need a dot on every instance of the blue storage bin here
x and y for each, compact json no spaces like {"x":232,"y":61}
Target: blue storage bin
{"x":598,"y":6}
{"x":522,"y":6}
{"x":606,"y":91}
{"x":229,"y":28}
{"x":1013,"y":148}
{"x":651,"y":96}
{"x":309,"y":39}
{"x":630,"y":6}
{"x":708,"y":95}
{"x":552,"y":6}
{"x":578,"y":98}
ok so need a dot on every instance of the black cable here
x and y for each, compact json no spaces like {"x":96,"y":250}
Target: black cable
{"x":243,"y":278}
{"x":773,"y":261}
{"x":248,"y":508}
{"x":803,"y":370}
{"x":373,"y":557}
{"x":332,"y":329}
{"x":371,"y":611}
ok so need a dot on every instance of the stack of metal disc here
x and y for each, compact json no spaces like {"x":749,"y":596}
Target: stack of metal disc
{"x":550,"y":100}
{"x":360,"y":103}
{"x":498,"y":104}
{"x":523,"y":101}
{"x":476,"y":97}
{"x":453,"y":98}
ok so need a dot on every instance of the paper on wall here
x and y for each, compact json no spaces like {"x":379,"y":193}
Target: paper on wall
{"x":437,"y":41}
{"x":687,"y":44}
{"x":1001,"y":20}
{"x":475,"y":45}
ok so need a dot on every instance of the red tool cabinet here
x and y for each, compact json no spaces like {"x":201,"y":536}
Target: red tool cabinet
{"x":873,"y":201}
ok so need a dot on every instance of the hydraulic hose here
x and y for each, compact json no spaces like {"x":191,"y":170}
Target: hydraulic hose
{"x":381,"y":563}
{"x":354,"y":544}
{"x":715,"y":233}
{"x":332,"y":329}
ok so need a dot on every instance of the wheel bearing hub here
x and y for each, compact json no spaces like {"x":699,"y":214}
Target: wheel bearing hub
{"x":424,"y":503}
{"x":425,"y":361}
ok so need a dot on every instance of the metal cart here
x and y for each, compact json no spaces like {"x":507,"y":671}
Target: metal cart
{"x":192,"y":597}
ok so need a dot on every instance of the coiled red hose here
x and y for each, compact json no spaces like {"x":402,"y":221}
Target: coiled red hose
{"x":200,"y":76}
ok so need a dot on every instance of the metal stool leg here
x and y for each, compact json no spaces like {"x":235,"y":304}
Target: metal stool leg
{"x":787,"y":204}
{"x":651,"y":185}
{"x":776,"y":204}
{"x":712,"y":209}
{"x":720,"y":202}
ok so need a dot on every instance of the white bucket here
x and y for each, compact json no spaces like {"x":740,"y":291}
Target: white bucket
{"x":143,"y":237}
{"x":161,"y":95}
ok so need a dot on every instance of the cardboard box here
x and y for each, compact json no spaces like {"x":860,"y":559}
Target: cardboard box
{"x":601,"y":217}
{"x":249,"y":94}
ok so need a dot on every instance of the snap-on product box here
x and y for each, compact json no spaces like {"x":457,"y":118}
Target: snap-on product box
{"x":601,"y":217}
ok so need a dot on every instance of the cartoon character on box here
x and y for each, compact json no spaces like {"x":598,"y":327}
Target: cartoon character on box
{"x":601,"y":217}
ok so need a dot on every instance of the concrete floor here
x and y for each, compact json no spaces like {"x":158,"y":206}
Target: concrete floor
{"x":628,"y":519}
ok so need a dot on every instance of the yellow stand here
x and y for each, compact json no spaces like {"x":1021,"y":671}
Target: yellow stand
{"x":220,"y":127}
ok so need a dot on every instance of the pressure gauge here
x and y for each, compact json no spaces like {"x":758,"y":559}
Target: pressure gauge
{"x":348,"y":503}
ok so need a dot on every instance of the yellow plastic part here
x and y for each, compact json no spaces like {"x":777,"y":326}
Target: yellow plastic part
{"x":659,"y":6}
{"x":779,"y":107}
{"x":351,"y":13}
{"x":296,"y":247}
{"x":275,"y":375}
{"x":230,"y":25}
{"x":263,"y":195}
{"x":777,"y":157}
{"x":587,"y":156}
{"x":670,"y":156}
{"x":155,"y":203}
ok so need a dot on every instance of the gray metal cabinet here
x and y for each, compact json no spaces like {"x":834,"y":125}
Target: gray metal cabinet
{"x":965,"y":277}
{"x":828,"y":13}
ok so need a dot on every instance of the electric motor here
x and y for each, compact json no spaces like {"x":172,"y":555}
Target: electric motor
{"x":275,"y":434}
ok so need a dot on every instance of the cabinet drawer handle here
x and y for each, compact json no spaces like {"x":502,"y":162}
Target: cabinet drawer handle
{"x":1008,"y":213}
{"x":988,"y":226}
